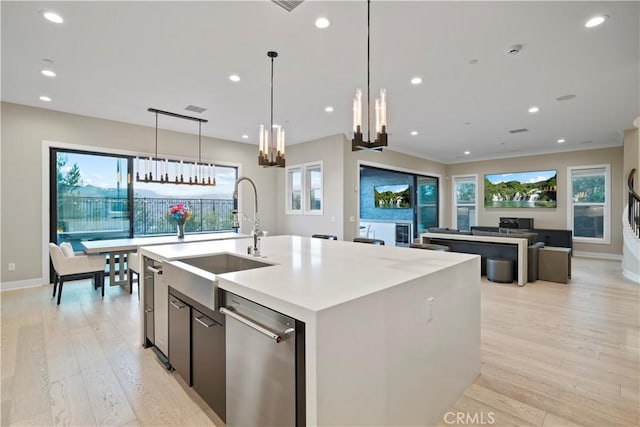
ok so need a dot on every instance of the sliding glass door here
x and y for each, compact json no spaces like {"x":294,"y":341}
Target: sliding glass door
{"x":426,"y":203}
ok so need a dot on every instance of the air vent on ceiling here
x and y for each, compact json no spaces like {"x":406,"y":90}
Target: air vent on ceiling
{"x":195,"y":109}
{"x":287,"y":5}
{"x":519,"y":130}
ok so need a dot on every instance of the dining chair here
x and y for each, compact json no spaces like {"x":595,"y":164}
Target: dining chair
{"x":75,"y":267}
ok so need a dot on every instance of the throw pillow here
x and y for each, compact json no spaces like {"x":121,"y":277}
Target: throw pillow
{"x":67,"y":249}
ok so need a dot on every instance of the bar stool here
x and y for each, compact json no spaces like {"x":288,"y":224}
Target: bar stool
{"x":325,"y":236}
{"x":370,"y":241}
{"x":133,"y":262}
{"x":430,"y":247}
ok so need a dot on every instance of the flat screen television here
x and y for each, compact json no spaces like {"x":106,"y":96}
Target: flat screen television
{"x":536,"y":189}
{"x":392,"y":196}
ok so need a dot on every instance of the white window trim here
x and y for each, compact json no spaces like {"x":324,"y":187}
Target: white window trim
{"x":606,"y":238}
{"x":304,"y":210}
{"x":454,"y":210}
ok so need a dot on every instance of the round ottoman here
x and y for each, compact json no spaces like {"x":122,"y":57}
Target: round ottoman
{"x":500,"y":270}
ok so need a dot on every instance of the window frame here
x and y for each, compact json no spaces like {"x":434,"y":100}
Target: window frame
{"x":455,"y":179}
{"x":606,"y":226}
{"x":305,"y":188}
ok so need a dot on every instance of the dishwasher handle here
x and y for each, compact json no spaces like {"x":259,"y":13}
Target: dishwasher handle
{"x":275,"y":336}
{"x":157,"y":271}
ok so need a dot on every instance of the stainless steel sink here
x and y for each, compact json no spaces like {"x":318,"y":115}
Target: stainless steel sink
{"x":223,"y":263}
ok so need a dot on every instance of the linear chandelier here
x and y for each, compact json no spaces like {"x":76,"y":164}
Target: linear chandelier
{"x":170,"y":171}
{"x":358,"y":142}
{"x":271,"y":150}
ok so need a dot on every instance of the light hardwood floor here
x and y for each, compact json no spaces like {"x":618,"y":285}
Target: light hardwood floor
{"x":552,"y":355}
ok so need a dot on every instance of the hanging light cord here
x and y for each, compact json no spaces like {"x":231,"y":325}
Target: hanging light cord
{"x":368,"y":73}
{"x":271,"y":131}
{"x":199,"y":142}
{"x":156,"y":144}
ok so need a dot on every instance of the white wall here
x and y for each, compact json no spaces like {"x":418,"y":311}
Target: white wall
{"x":552,"y":218}
{"x":387,"y":159}
{"x":329,"y":151}
{"x":23,"y":131}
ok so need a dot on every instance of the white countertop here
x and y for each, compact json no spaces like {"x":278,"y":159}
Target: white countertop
{"x":309,"y":275}
{"x":125,"y":245}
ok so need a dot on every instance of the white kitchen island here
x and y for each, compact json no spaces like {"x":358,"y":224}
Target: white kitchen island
{"x":392,"y":335}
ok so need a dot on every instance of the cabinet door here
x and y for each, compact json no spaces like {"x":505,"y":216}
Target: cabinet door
{"x":208,"y":361}
{"x":180,"y":338}
{"x":149,"y":320}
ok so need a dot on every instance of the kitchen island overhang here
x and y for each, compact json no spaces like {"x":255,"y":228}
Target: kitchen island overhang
{"x":392,"y":334}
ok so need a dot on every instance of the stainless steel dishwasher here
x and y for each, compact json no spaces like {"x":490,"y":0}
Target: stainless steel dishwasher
{"x":261,"y":364}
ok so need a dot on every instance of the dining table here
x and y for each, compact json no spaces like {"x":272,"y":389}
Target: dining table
{"x":116,"y":249}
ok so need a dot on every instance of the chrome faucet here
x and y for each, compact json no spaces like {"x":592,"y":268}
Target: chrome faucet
{"x":256,"y":233}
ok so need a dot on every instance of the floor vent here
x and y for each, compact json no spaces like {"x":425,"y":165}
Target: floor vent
{"x":287,"y":5}
{"x":519,"y":130}
{"x":195,"y":109}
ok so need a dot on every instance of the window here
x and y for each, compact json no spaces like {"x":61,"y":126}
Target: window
{"x":304,"y":189}
{"x":590,"y":203}
{"x":94,"y":198}
{"x":465,"y":214}
{"x":313,"y":188}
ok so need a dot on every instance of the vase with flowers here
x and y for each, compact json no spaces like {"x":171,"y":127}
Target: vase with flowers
{"x":181,"y":214}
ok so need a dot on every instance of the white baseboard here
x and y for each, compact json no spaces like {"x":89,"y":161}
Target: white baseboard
{"x":21,"y":284}
{"x":599,"y":255}
{"x":634,"y":277}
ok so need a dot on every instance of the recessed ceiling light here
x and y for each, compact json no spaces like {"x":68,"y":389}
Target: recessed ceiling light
{"x":473,"y":61}
{"x":414,"y":132}
{"x":561,"y":140}
{"x":416,"y":80}
{"x":329,"y":109}
{"x":595,"y":21}
{"x":466,"y":153}
{"x":45,"y":98}
{"x":534,"y":110}
{"x":48,"y":73}
{"x":234,"y":78}
{"x":322,"y":22}
{"x":245,"y":136}
{"x":53,"y":17}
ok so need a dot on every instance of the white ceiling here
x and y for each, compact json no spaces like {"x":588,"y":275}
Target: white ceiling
{"x":115,"y":59}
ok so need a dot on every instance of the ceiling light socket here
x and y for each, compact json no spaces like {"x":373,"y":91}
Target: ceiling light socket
{"x":416,"y":80}
{"x":514,"y":49}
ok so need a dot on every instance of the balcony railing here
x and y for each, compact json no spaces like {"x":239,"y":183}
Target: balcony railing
{"x":82,"y":215}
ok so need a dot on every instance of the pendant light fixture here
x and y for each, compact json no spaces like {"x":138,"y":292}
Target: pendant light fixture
{"x":271,"y":147}
{"x":358,"y":142}
{"x":170,"y":171}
